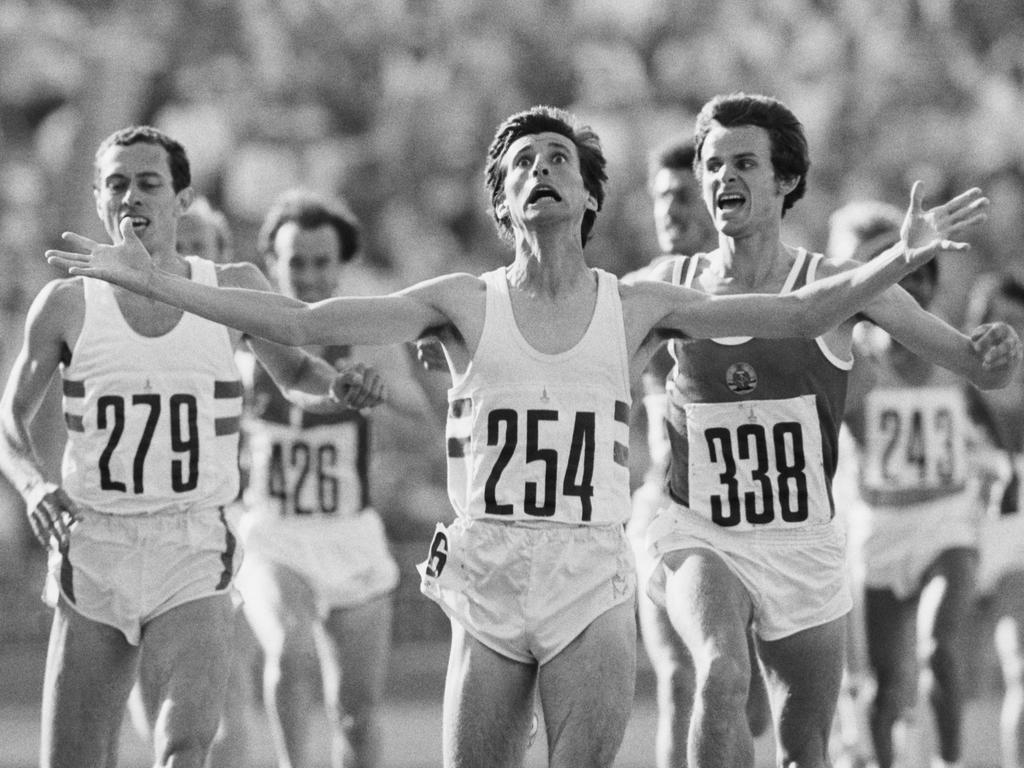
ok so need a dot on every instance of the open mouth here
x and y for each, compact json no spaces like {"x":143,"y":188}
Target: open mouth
{"x":138,"y":222}
{"x":542,"y":193}
{"x":730,"y":201}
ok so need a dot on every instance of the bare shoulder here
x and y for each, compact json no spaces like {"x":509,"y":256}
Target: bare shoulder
{"x":60,"y":302}
{"x":456,"y":285}
{"x":241,"y":274}
{"x":55,"y":317}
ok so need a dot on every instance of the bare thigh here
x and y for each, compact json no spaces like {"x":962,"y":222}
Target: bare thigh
{"x":488,"y":705}
{"x":354,"y":644}
{"x":185,"y":661}
{"x":586,"y":691}
{"x":803,"y":673}
{"x":90,"y":668}
{"x":280,"y":607}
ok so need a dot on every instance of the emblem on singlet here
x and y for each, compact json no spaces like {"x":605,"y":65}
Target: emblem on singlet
{"x":741,"y":378}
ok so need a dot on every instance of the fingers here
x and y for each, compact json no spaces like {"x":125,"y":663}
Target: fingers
{"x":53,"y":518}
{"x":80,"y":242}
{"x":917,"y":196}
{"x":998,"y":344}
{"x":67,"y":259}
{"x":359,"y":386}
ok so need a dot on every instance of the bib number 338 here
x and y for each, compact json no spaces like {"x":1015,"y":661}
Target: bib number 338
{"x":753,"y":466}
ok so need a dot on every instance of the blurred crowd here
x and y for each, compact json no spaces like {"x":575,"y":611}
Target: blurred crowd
{"x":390,"y":103}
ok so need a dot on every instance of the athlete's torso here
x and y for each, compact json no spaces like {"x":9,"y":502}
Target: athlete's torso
{"x":535,"y":437}
{"x":753,"y":423}
{"x":911,"y":426}
{"x":304,"y":466}
{"x":153,"y":422}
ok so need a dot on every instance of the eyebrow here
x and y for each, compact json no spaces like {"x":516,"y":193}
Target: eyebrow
{"x":142,"y":175}
{"x":559,"y":143}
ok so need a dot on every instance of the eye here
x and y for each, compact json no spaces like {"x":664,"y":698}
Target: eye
{"x":523,"y":161}
{"x":559,"y":157}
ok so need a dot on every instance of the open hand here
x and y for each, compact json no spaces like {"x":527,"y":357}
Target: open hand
{"x":925,"y":233}
{"x":127,"y":263}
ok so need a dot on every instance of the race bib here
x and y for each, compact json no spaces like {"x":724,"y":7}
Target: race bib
{"x":757,"y":463}
{"x":915,"y":440}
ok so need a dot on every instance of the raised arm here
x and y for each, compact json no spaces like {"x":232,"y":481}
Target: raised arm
{"x":372,"y":320}
{"x":823,"y":304}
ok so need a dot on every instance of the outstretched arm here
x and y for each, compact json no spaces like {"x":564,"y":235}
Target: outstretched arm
{"x":987,"y":357}
{"x":371,"y":320}
{"x":824,"y":304}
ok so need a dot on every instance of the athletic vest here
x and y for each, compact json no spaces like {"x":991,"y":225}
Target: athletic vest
{"x":542,"y":437}
{"x":152,"y":422}
{"x":304,"y":465}
{"x":754,"y":423}
{"x":914,"y":436}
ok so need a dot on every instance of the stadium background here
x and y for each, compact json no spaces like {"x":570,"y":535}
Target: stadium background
{"x":391,"y":103}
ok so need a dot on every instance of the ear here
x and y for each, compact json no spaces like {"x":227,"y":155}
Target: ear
{"x":785,"y":186}
{"x":501,"y":210}
{"x":185,"y":198}
{"x":591,"y":204}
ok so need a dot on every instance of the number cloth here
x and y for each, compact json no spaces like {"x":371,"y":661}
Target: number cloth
{"x":538,"y":477}
{"x":153,"y":422}
{"x":307,"y":502}
{"x":754,"y":425}
{"x":916,"y":498}
{"x":534,"y":436}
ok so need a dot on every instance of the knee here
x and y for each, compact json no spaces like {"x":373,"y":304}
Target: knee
{"x":723,"y":684}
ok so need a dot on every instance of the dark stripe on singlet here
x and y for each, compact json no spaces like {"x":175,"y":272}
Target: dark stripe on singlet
{"x":228,"y":425}
{"x":227,"y":388}
{"x":622,"y":412}
{"x":72,"y":388}
{"x":227,"y":557}
{"x":74,"y":422}
{"x":620,"y":454}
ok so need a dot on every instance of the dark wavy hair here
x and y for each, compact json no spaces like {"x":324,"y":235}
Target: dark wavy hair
{"x":177,"y":160}
{"x":789,"y":153}
{"x":310,"y":211}
{"x":544,"y":119}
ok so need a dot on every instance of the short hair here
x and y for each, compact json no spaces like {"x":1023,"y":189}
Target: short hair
{"x":544,"y":119}
{"x":677,"y":154}
{"x":177,"y":159}
{"x":216,"y":220}
{"x":789,"y":153}
{"x":310,"y":210}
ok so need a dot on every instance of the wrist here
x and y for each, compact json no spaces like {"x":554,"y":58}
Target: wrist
{"x":36,"y":491}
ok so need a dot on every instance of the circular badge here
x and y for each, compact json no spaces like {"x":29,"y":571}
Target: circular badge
{"x":741,"y":378}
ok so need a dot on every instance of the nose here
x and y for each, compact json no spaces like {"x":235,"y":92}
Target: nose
{"x":131,"y":194}
{"x":540,"y":168}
